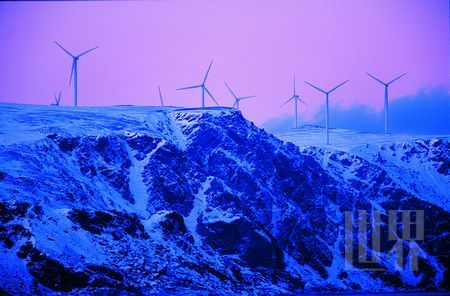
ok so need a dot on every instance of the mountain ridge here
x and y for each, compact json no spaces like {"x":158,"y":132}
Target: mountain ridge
{"x":191,"y":200}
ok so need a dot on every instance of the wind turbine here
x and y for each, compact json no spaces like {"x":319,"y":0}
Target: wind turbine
{"x":160,"y":97}
{"x":386,"y":99}
{"x":236,"y":98}
{"x":326,"y":103}
{"x":295,"y":97}
{"x":57,"y":99}
{"x":74,"y":71}
{"x":203,"y":87}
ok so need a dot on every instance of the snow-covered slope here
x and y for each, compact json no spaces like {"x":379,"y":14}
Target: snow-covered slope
{"x":344,"y":139}
{"x":417,"y":163}
{"x":171,"y":200}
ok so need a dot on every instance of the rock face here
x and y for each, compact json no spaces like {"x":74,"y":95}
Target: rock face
{"x":209,"y":202}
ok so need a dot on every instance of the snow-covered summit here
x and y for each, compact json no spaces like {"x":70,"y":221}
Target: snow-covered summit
{"x":28,"y":123}
{"x":344,"y":139}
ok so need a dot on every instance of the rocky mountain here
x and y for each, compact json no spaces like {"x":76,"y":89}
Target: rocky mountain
{"x":169,"y":200}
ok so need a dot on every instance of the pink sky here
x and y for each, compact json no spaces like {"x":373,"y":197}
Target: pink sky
{"x":257,"y":47}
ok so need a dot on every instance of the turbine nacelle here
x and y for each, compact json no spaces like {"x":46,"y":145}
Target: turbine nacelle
{"x":324,"y":91}
{"x":386,"y":98}
{"x":160,"y":97}
{"x":236,"y":98}
{"x":73,"y":71}
{"x":386,"y":83}
{"x":57,"y":100}
{"x":296,"y":98}
{"x":326,"y":103}
{"x":203,"y":87}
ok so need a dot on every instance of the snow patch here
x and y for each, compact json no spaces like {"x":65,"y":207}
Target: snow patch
{"x":199,"y":207}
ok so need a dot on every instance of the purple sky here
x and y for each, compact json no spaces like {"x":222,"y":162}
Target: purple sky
{"x":257,"y":47}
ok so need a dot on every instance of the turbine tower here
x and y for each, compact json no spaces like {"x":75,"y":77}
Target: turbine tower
{"x":295,"y":97}
{"x":203,"y":87}
{"x":386,"y":99}
{"x":160,"y":97}
{"x":74,"y":71}
{"x":326,"y":103}
{"x":57,"y":99}
{"x":236,"y":98}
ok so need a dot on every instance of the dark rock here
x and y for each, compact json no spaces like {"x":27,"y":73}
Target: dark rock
{"x":241,"y":237}
{"x":9,"y":234}
{"x":115,"y":223}
{"x":173,"y":227}
{"x":93,"y":222}
{"x":143,"y":144}
{"x":53,"y":274}
{"x":25,"y":250}
{"x":173,"y":224}
{"x":65,"y":144}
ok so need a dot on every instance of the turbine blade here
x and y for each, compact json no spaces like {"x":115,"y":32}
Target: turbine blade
{"x":376,"y":78}
{"x":294,"y":86}
{"x":319,"y":89}
{"x":339,"y":86}
{"x":247,"y":97}
{"x":396,"y":78}
{"x":189,"y":87}
{"x":160,"y":96}
{"x":303,"y":101}
{"x":207,"y":72}
{"x":71,"y":72}
{"x":87,"y":51}
{"x":59,"y":97}
{"x":235,"y":103}
{"x":288,"y":101}
{"x":232,"y":93}
{"x":211,"y":96}
{"x":68,"y":52}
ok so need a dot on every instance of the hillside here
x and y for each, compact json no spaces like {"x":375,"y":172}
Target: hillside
{"x":172,"y":200}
